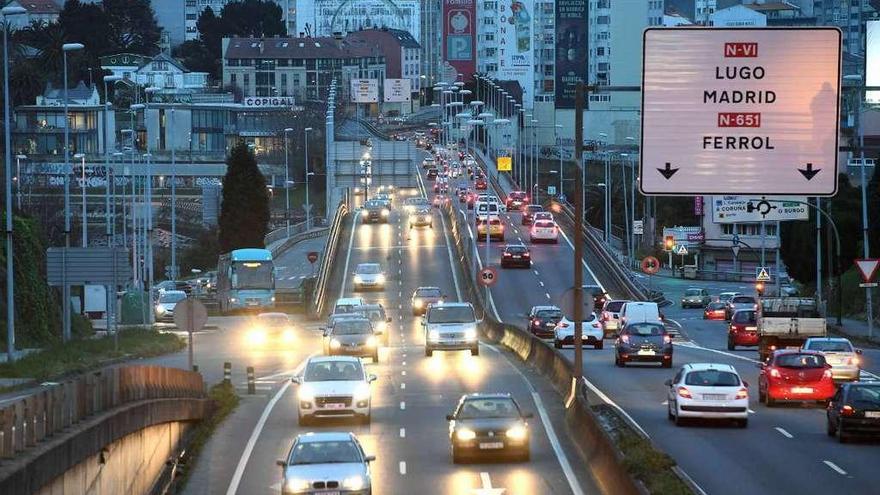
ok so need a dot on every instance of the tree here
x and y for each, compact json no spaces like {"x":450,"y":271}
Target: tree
{"x":196,"y":57}
{"x":132,"y":25}
{"x":244,"y":214}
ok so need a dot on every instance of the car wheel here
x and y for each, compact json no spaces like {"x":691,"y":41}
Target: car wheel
{"x":679,"y":421}
{"x":366,"y":418}
{"x":841,"y":437}
{"x":742,"y":423}
{"x":599,"y":345}
{"x":475,"y":351}
{"x":769,"y":401}
{"x":429,"y":352}
{"x":667,"y":364}
{"x":829,"y":428}
{"x":457,"y":458}
{"x":730,"y":345}
{"x":303,"y":420}
{"x":618,"y":362}
{"x":557,"y":344}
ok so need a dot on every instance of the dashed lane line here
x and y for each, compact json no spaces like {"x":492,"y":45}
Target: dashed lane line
{"x":835,"y":467}
{"x":783,"y":432}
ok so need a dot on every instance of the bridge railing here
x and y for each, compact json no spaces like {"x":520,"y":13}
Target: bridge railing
{"x":31,"y":419}
{"x":329,"y":255}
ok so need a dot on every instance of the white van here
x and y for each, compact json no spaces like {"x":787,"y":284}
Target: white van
{"x":639,"y":312}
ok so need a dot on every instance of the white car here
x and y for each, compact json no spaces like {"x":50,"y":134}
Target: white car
{"x":708,"y":390}
{"x":344,"y":305}
{"x":167,"y":301}
{"x":333,"y":387}
{"x":544,"y":230}
{"x":590,"y":328}
{"x":845,"y":361}
{"x":369,"y":276}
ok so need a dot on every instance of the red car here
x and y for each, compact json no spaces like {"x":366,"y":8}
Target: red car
{"x":743,"y":329}
{"x":480,"y":184}
{"x":715,"y":311}
{"x":516,"y":199}
{"x":795,"y":375}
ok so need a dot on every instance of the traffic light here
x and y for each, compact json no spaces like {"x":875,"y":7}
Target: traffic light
{"x":759,"y":288}
{"x":669,"y":243}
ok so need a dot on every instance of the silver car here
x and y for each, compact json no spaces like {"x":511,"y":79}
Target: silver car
{"x":331,"y":462}
{"x":167,"y":301}
{"x":369,"y":276}
{"x":845,"y":361}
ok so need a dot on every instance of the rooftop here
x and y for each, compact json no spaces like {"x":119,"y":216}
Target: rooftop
{"x":295,"y":48}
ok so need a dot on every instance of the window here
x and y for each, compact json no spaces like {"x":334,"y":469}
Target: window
{"x":232,"y":79}
{"x":603,"y":19}
{"x":600,"y":51}
{"x":247,"y":81}
{"x":283,"y":84}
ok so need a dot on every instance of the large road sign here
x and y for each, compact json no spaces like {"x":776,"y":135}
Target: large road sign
{"x":740,"y":112}
{"x":762,"y":274}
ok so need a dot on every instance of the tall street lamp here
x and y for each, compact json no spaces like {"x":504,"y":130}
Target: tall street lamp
{"x":85,"y":218}
{"x":308,"y":206}
{"x":10,"y":279}
{"x":107,"y":79}
{"x":287,"y":180}
{"x":65,"y":291}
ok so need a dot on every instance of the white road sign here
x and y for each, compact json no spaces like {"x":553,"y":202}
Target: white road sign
{"x":365,"y":90}
{"x":739,"y":209}
{"x":397,"y":90}
{"x":740,"y":111}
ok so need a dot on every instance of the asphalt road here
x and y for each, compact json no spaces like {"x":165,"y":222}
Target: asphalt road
{"x":784,"y":449}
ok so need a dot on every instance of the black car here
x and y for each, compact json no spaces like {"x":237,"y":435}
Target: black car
{"x":528,"y":213}
{"x":351,"y":337}
{"x":599,"y":296}
{"x":542,"y":321}
{"x":375,"y":211}
{"x":644,"y":342}
{"x":432,"y":173}
{"x":516,"y":255}
{"x":854,"y":410}
{"x":487,"y":424}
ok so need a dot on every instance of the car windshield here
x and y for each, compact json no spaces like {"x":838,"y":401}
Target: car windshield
{"x":712,"y":378}
{"x":352,"y":327}
{"x":716,"y":306}
{"x":501,"y":407}
{"x":170,"y":297}
{"x":325,"y":371}
{"x":428,"y":293}
{"x":273,"y":320}
{"x":830,"y":346}
{"x":744,"y":317}
{"x":549,"y":314}
{"x":516,"y":249}
{"x":864,"y":396}
{"x":370,"y":269}
{"x":805,"y":361}
{"x":693,"y":292}
{"x":645,"y":330}
{"x":451,"y":314}
{"x":725,"y":296}
{"x":373,"y":204}
{"x":374,"y":314}
{"x":534,"y":208}
{"x":325,"y":453}
{"x":615,"y":306}
{"x":544,"y":224}
{"x":743,"y":300}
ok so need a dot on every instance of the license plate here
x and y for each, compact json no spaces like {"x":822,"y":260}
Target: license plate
{"x":802,"y":390}
{"x":330,"y":493}
{"x":334,"y":405}
{"x":646,"y":352}
{"x":517,"y":257}
{"x":872,"y":414}
{"x":714,"y":396}
{"x":492,"y":445}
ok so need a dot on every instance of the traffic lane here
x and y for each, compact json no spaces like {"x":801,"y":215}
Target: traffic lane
{"x":757,"y":459}
{"x":292,"y":264}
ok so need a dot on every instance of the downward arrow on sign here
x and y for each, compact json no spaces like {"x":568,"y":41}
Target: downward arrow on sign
{"x":668,"y":172}
{"x":487,"y":487}
{"x":809,"y":172}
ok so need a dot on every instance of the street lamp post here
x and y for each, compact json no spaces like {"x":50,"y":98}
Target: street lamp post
{"x":308,"y":206}
{"x":110,"y":242}
{"x":85,"y":218}
{"x":287,"y":180}
{"x":10,"y":279}
{"x":607,"y":202}
{"x":18,"y":159}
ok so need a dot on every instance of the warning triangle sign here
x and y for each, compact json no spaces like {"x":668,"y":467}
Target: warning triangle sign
{"x":868,"y":267}
{"x":682,"y":250}
{"x":763,"y":275}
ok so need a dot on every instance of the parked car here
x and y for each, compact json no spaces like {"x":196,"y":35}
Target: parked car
{"x":643,"y":341}
{"x":854,"y":411}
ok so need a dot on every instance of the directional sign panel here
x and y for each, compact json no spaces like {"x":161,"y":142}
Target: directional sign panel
{"x":740,"y":111}
{"x":739,"y":209}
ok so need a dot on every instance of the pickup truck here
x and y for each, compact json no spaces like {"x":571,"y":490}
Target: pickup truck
{"x":787,"y":322}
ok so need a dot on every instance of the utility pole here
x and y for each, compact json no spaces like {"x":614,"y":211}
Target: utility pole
{"x":578,"y":237}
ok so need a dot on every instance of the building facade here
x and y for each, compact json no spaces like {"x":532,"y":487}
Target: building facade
{"x":36,"y":11}
{"x":160,"y":71}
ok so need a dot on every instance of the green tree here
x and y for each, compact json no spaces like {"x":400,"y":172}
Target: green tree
{"x":244,"y":214}
{"x":132,"y":25}
{"x":202,"y":254}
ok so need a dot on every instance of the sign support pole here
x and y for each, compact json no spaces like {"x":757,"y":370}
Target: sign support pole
{"x":578,"y":236}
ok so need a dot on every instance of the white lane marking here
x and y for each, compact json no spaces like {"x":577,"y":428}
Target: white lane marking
{"x":613,"y":404}
{"x":783,"y":432}
{"x":835,"y":467}
{"x":252,"y":441}
{"x":450,"y":257}
{"x":399,"y":294}
{"x":354,"y":226}
{"x":548,"y":427}
{"x":402,"y":467}
{"x":404,"y":363}
{"x":540,"y":283}
{"x":536,"y":271}
{"x":403,"y":433}
{"x":403,"y":373}
{"x":402,"y":405}
{"x":486,"y":483}
{"x":547,"y":294}
{"x":751,"y":412}
{"x":402,"y":386}
{"x":691,"y":345}
{"x":583,"y":262}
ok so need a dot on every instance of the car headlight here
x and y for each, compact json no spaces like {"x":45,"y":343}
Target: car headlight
{"x":334,"y":344}
{"x":362,"y":392}
{"x":418,"y":303}
{"x":382,"y":327}
{"x":371,"y":341}
{"x":353,"y":483}
{"x":232,"y":300}
{"x":385,"y":213}
{"x":357,"y":279}
{"x":160,"y":309}
{"x":434,"y":335}
{"x":465,"y":434}
{"x":306,"y":394}
{"x":470,"y":334}
{"x":380,"y":279}
{"x":257,"y":336}
{"x":272,"y":298}
{"x":518,"y":432}
{"x":298,"y":485}
{"x":288,"y":335}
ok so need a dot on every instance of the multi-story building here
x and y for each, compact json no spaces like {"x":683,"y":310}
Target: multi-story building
{"x":36,"y":11}
{"x":401,"y":51}
{"x":850,"y":17}
{"x":160,"y":71}
{"x":430,"y":39}
{"x":299,"y":67}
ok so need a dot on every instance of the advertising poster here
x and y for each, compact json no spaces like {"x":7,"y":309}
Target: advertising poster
{"x":345,"y":16}
{"x":571,"y":49}
{"x":397,"y":90}
{"x":516,"y":39}
{"x":459,"y":35}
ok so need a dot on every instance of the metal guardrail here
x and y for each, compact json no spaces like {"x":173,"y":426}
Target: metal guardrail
{"x":317,"y":305}
{"x":31,"y":419}
{"x":296,"y":238}
{"x":281,"y":233}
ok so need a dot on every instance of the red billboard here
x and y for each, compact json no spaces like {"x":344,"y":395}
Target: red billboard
{"x":459,"y":35}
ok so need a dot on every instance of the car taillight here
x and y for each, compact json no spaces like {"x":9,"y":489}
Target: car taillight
{"x":526,"y":199}
{"x":562,"y":325}
{"x":506,"y":255}
{"x":667,"y":339}
{"x":605,"y":316}
{"x":847,"y":411}
{"x":527,"y":255}
{"x":853,"y":361}
{"x":775,"y":373}
{"x":742,"y":394}
{"x":683,"y":392}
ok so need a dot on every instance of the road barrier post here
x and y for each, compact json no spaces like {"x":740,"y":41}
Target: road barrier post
{"x":252,"y":387}
{"x":227,"y":373}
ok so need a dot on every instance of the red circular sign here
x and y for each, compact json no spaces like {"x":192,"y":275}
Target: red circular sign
{"x":312,"y":256}
{"x":650,"y":265}
{"x":487,"y":276}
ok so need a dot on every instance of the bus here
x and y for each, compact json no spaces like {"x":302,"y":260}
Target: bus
{"x":246,"y":280}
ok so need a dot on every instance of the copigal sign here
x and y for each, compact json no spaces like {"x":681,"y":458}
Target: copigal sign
{"x":268,"y":101}
{"x":740,"y":111}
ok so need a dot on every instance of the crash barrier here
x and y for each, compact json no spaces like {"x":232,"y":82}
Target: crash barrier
{"x":297,"y":238}
{"x":282,"y":233}
{"x":29,"y":420}
{"x":330,"y":249}
{"x":605,"y":461}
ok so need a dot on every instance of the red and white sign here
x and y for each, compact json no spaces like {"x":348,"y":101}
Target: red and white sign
{"x":650,"y":265}
{"x":312,"y":256}
{"x":487,"y":277}
{"x":740,"y":112}
{"x":868,"y":267}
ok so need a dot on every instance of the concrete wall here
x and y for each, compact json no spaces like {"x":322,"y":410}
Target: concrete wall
{"x":131,"y":465}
